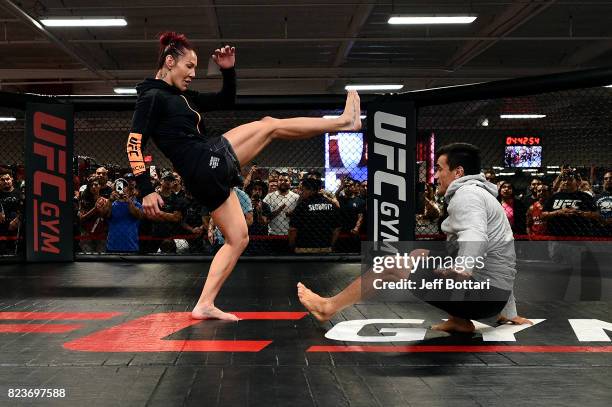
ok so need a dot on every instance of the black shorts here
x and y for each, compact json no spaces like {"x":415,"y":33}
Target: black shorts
{"x":213,"y":172}
{"x":462,"y":303}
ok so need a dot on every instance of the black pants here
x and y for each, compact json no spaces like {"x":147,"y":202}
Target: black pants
{"x":462,"y":303}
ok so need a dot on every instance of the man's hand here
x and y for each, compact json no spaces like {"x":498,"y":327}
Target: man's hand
{"x":518,"y":320}
{"x":151,"y":204}
{"x":2,"y":217}
{"x":100,"y":204}
{"x":225,"y":57}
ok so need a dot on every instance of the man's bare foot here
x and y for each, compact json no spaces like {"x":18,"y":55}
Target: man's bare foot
{"x":517,"y":320}
{"x":212,"y":312}
{"x":318,"y":306}
{"x":454,"y":324}
{"x":351,"y":117}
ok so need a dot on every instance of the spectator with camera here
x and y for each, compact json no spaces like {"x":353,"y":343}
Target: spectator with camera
{"x":124,"y":213}
{"x":570,"y":212}
{"x":169,"y":222}
{"x":314,"y":225}
{"x":257,"y":190}
{"x":91,"y":217}
{"x":10,"y":213}
{"x":262,"y":212}
{"x":131,"y":180}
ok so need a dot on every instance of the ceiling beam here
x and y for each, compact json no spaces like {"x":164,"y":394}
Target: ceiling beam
{"x":496,"y":39}
{"x":514,"y":16}
{"x":360,"y":16}
{"x":586,"y":53}
{"x":285,"y":73}
{"x":212,"y":18}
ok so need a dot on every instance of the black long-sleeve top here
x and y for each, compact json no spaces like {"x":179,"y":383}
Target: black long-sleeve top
{"x":172,"y":119}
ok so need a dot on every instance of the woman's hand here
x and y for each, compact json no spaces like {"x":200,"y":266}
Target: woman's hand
{"x":151,"y":204}
{"x":225,"y":57}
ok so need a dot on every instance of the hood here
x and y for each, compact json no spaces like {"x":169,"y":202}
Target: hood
{"x":151,"y":83}
{"x":478,"y":180}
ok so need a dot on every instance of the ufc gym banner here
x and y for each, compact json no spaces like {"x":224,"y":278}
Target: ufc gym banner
{"x":391,"y":172}
{"x":49,"y":189}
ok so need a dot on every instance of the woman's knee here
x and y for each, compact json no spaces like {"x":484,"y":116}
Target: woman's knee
{"x":270,"y":126}
{"x":268,"y":119}
{"x":238,"y":239}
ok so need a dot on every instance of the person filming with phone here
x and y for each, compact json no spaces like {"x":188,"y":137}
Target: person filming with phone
{"x":124,"y":213}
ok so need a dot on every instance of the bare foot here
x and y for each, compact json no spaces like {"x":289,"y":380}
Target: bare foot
{"x":455,"y":324}
{"x":318,"y":306}
{"x":351,"y":117}
{"x":517,"y":320}
{"x":212,"y":312}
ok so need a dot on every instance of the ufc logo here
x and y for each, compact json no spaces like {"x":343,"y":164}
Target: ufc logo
{"x":566,"y":203}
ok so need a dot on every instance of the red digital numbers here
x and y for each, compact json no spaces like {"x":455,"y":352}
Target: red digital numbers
{"x":522,"y":141}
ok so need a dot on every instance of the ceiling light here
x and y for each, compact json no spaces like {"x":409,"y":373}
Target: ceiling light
{"x":84,"y":22}
{"x":373,"y":87}
{"x":433,"y":19}
{"x":125,"y":91}
{"x":522,"y":116}
{"x":7,"y":119}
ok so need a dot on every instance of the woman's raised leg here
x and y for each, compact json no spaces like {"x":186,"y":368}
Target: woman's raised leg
{"x":249,"y":139}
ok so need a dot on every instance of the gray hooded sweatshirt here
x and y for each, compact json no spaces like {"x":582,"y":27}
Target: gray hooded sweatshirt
{"x":477,"y":224}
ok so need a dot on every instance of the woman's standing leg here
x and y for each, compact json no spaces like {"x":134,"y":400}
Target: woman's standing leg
{"x":230,"y":219}
{"x":249,"y":139}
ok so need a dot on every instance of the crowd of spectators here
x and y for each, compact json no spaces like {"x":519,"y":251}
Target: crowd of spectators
{"x":288,"y":211}
{"x":566,"y":207}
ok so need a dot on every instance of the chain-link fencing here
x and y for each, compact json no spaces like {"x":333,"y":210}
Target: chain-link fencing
{"x":285,"y":213}
{"x":550,"y":156}
{"x":12,"y":182}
